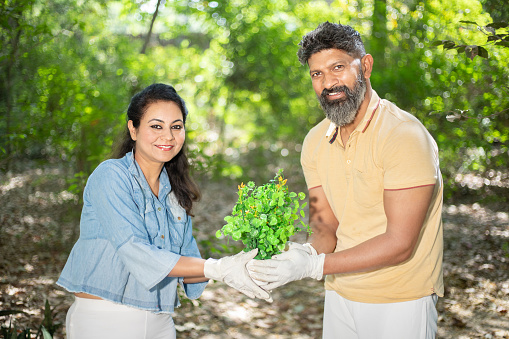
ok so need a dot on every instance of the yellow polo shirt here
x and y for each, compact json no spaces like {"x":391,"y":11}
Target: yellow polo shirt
{"x":389,"y":149}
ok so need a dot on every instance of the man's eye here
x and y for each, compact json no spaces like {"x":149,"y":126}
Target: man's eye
{"x":314,"y":75}
{"x":338,"y":66}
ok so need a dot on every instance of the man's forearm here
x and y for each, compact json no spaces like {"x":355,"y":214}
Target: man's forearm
{"x":323,"y":238}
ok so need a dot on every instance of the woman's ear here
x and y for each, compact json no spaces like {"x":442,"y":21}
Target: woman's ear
{"x":132,"y":129}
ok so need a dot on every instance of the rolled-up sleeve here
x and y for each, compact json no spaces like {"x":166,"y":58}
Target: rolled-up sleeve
{"x":110,"y":195}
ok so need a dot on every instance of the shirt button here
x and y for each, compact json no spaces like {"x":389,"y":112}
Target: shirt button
{"x":178,"y":218}
{"x":348,"y":162}
{"x":162,"y":236}
{"x":159,"y":209}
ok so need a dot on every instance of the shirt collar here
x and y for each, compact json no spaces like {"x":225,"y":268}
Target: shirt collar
{"x":370,"y":113}
{"x":164,"y":180}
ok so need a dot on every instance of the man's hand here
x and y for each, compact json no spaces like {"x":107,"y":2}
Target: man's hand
{"x":294,"y":264}
{"x":305,"y":247}
{"x":233,"y":272}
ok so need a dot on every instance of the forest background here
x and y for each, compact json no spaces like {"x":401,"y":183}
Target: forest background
{"x":69,"y":67}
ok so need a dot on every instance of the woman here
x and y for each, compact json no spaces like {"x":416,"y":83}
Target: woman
{"x":136,"y":243}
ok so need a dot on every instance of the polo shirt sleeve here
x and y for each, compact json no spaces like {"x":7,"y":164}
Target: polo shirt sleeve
{"x":111,"y":197}
{"x":409,"y":157}
{"x":308,"y":163}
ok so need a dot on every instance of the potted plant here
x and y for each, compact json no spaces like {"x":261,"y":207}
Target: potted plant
{"x":264,"y":216}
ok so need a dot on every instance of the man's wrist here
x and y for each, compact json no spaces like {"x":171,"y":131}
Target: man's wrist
{"x":318,"y":262}
{"x":312,"y":250}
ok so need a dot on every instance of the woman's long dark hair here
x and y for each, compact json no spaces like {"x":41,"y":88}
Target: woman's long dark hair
{"x":185,"y":189}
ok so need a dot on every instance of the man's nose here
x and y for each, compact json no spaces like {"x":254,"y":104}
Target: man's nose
{"x":330,"y":80}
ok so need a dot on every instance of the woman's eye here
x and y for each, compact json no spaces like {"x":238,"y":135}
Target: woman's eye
{"x":156,"y":126}
{"x":178,"y":127}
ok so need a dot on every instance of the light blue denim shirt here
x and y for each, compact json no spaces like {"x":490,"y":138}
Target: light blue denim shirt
{"x":130,"y":240}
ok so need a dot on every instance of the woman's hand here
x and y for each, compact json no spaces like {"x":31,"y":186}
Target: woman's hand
{"x":232,"y":271}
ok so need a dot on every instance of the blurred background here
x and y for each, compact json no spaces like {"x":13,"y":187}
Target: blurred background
{"x":68,"y":69}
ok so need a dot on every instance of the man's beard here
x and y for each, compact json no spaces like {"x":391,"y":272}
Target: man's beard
{"x":343,"y":111}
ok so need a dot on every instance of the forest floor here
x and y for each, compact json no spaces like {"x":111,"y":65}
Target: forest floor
{"x":39,"y":223}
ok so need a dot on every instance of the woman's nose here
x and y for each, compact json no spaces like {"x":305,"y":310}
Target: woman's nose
{"x":168,"y":134}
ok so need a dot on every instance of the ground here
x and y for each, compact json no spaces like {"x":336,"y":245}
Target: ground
{"x":39,"y":222}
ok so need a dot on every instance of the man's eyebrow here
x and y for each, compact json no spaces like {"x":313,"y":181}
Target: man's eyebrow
{"x":335,"y":62}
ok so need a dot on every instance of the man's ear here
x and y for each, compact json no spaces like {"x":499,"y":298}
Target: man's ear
{"x":367,"y":65}
{"x":132,"y":129}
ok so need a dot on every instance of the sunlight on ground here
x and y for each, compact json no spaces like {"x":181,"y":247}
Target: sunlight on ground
{"x":14,"y":182}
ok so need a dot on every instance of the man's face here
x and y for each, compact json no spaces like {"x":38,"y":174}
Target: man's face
{"x":339,"y":83}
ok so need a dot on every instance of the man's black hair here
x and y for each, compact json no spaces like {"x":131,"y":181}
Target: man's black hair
{"x":327,"y":36}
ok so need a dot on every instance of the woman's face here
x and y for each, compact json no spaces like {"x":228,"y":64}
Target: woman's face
{"x":160,"y":136}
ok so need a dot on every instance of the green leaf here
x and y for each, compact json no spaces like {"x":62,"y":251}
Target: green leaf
{"x":482,"y":52}
{"x":45,"y":333}
{"x":256,"y":222}
{"x":449,"y":44}
{"x":273,"y":220}
{"x":502,"y":43}
{"x":497,"y":25}
{"x":219,"y":234}
{"x":460,"y":48}
{"x":302,"y":196}
{"x":469,"y":22}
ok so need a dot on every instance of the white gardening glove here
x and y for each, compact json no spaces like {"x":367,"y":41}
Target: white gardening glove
{"x":294,"y":264}
{"x":233,"y":272}
{"x":289,"y":245}
{"x":305,"y":247}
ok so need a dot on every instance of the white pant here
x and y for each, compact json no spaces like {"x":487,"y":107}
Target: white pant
{"x":98,"y":319}
{"x":345,"y":319}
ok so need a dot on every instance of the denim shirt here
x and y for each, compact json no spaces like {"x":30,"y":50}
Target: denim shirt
{"x":130,"y":240}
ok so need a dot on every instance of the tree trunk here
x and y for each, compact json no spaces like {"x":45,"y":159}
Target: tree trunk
{"x":149,"y":34}
{"x":379,"y":33}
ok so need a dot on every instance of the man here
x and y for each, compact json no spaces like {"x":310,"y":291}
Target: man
{"x":375,"y":201}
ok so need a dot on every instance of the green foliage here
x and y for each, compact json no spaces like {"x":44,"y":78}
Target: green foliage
{"x":499,"y":38}
{"x":46,"y":330}
{"x":48,"y":327}
{"x":66,"y":79}
{"x":264,"y":216}
{"x":12,"y":332}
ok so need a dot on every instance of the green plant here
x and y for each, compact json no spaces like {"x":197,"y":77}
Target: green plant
{"x":46,"y":330}
{"x":493,"y":37}
{"x":264,"y":216}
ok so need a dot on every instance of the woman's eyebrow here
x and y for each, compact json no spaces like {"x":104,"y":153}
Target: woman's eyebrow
{"x":159,"y":120}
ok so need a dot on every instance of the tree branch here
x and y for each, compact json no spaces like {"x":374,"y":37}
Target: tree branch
{"x":147,"y":39}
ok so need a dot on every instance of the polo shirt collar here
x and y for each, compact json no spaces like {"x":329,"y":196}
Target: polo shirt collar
{"x":332,"y":131}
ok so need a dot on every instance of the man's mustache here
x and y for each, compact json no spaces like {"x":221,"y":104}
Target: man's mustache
{"x":336,"y":89}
